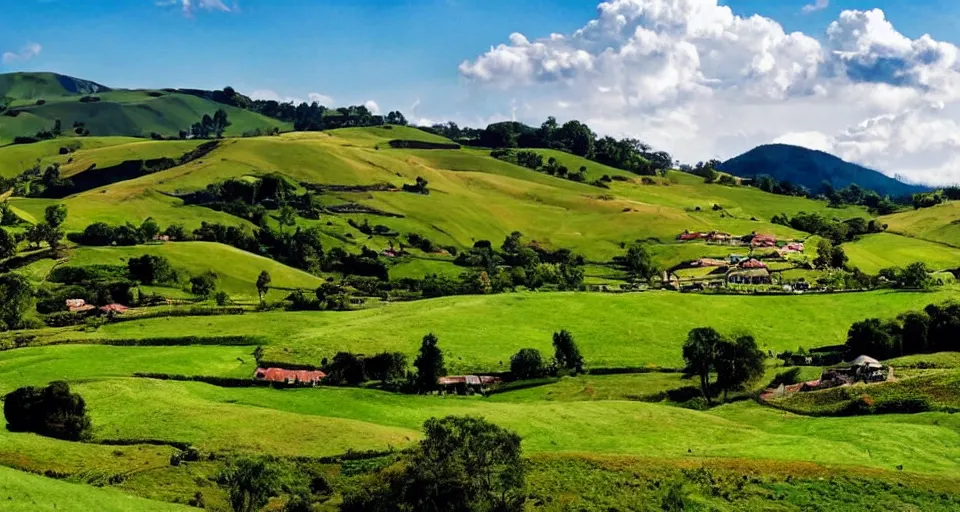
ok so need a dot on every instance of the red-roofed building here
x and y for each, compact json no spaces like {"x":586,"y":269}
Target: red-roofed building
{"x":753,"y":263}
{"x":79,"y":306}
{"x":764,"y":241}
{"x":292,"y":377}
{"x":686,"y":235}
{"x":114,"y":309}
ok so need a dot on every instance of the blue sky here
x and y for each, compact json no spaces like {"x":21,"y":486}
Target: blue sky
{"x":402,"y":53}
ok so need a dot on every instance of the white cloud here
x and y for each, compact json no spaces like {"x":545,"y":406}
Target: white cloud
{"x":322,"y":99}
{"x":270,"y":94}
{"x":372,"y":106}
{"x":817,"y":5}
{"x":25,"y":54}
{"x":691,"y":77}
{"x":189,"y":6}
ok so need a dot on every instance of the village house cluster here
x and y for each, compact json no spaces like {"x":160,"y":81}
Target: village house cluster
{"x":736,"y":269}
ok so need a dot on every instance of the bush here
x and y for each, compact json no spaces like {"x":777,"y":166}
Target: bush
{"x":526,"y":364}
{"x":905,"y":405}
{"x":63,"y":319}
{"x":149,"y":269}
{"x":51,"y":411}
{"x":346,"y":368}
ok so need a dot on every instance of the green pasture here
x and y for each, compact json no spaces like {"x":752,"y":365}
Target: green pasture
{"x":884,"y":250}
{"x":940,"y":223}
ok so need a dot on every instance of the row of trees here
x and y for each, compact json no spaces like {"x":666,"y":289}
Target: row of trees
{"x":929,"y":199}
{"x":916,"y":332}
{"x":208,"y":126}
{"x":573,"y":137}
{"x":49,"y":231}
{"x":835,"y":230}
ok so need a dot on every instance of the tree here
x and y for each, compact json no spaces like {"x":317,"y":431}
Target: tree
{"x":8,"y":246}
{"x":204,"y":285}
{"x":287,"y":217}
{"x":149,"y":229}
{"x":55,"y":215}
{"x":396,"y":117}
{"x":526,"y":364}
{"x":700,"y":355}
{"x":429,"y":363}
{"x":566,"y":352}
{"x":150,"y":269}
{"x":838,"y":258}
{"x":51,"y":411}
{"x":7,"y":216}
{"x":17,"y":300}
{"x":220,"y":122}
{"x":875,"y":338}
{"x":36,"y":234}
{"x":52,"y":235}
{"x":738,"y":364}
{"x":916,"y":276}
{"x":251,"y":482}
{"x":824,"y":259}
{"x":638,"y":262}
{"x":462,"y":464}
{"x":263,"y":284}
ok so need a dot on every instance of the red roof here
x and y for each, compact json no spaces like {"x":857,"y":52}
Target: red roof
{"x":289,"y":376}
{"x":114,"y":308}
{"x":753,"y":264}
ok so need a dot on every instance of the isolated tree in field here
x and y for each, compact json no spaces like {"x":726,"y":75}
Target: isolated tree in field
{"x":700,"y":354}
{"x":51,"y":411}
{"x":250,"y":483}
{"x":52,"y":236}
{"x":429,"y":363}
{"x":566,"y":352}
{"x":149,"y":229}
{"x":17,"y":299}
{"x":639,"y":263}
{"x":8,"y":246}
{"x":462,"y":464}
{"x":739,"y":363}
{"x":149,"y":269}
{"x":55,"y":215}
{"x":263,"y":284}
{"x":526,"y":364}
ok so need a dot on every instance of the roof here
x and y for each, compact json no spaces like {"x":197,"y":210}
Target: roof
{"x":470,"y":380}
{"x":83,"y":308}
{"x":754,"y":272}
{"x":75,"y":303}
{"x":866,"y":361}
{"x":282,"y":375}
{"x":710,"y":262}
{"x":114,"y":308}
{"x":753,"y":263}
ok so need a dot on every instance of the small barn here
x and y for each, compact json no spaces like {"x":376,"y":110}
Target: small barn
{"x":290,"y":377}
{"x":464,"y":384}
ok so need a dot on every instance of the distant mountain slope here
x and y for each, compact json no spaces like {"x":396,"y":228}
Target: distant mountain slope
{"x":136,"y":113}
{"x":32,"y":86}
{"x":811,"y":168}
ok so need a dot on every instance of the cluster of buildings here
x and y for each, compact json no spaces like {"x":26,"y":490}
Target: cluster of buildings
{"x":755,"y":240}
{"x":862,"y":369}
{"x":459,"y":384}
{"x":81,"y":306}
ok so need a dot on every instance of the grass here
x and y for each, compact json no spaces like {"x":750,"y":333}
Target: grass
{"x":938,"y":360}
{"x":940,"y":223}
{"x":236,"y":270}
{"x":16,"y":159}
{"x":597,"y":387}
{"x":482,"y":332}
{"x":23,"y":492}
{"x":884,"y":250}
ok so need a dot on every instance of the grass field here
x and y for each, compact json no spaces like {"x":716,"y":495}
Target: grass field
{"x":23,"y":492}
{"x":236,"y":270}
{"x":940,"y":223}
{"x":884,"y":250}
{"x":482,"y":332}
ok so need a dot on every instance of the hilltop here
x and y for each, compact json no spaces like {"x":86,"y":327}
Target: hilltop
{"x":811,"y":168}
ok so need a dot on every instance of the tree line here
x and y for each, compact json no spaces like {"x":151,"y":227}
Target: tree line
{"x":933,"y":329}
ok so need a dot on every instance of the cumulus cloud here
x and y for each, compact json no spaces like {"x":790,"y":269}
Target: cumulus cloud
{"x":695,"y":79}
{"x":25,"y":54}
{"x":322,"y":99}
{"x":817,"y":5}
{"x":271,"y":95}
{"x":372,"y":107}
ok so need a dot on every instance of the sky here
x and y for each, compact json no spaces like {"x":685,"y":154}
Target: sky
{"x":875,"y":82}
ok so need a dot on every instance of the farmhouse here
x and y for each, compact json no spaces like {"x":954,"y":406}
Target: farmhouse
{"x":79,"y":306}
{"x":114,"y":309}
{"x":763,"y":241}
{"x":463,"y":384}
{"x":753,"y":263}
{"x":291,"y":377}
{"x":749,"y":276}
{"x":686,"y":235}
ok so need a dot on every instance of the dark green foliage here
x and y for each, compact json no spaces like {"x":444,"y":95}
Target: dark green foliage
{"x":346,"y":368}
{"x":429,"y":363}
{"x":204,"y":285}
{"x":386,"y":366}
{"x":17,"y":300}
{"x":8,"y":246}
{"x":917,"y":332}
{"x":566,"y":352}
{"x":420,"y":187}
{"x":149,"y":269}
{"x":829,"y":256}
{"x":700,"y":354}
{"x":7,"y":216}
{"x":527,"y":363}
{"x":263,"y":284}
{"x":251,"y":482}
{"x":463,"y":464}
{"x":52,"y":411}
{"x":55,"y":215}
{"x":638,"y":262}
{"x":739,"y":363}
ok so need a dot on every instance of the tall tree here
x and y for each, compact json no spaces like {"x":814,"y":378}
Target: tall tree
{"x":429,"y":363}
{"x":566,"y":351}
{"x":263,"y":284}
{"x":17,"y":300}
{"x":220,"y":122}
{"x":639,"y":262}
{"x":738,"y":364}
{"x":55,"y":215}
{"x":700,"y":355}
{"x":250,"y":483}
{"x":287,"y":217}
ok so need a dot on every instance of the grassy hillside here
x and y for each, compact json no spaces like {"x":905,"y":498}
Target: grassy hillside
{"x":940,"y":223}
{"x":883,"y":250}
{"x":236,"y":270}
{"x":23,"y":492}
{"x":482,"y":332}
{"x":18,"y":158}
{"x":34,"y":86}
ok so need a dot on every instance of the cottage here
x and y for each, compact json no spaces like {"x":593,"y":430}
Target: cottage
{"x":755,"y":276}
{"x":290,"y":377}
{"x":463,"y":384}
{"x":719,"y":237}
{"x":114,"y":309}
{"x":763,"y":241}
{"x":709,"y":262}
{"x":791,"y":248}
{"x":686,"y":235}
{"x":79,"y":306}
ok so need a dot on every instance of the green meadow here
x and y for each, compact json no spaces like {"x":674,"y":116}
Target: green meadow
{"x":884,"y":250}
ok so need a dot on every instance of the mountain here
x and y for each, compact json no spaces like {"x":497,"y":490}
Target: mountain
{"x":31,"y":102}
{"x":811,"y":168}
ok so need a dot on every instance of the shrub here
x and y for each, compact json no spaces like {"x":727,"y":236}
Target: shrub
{"x":526,"y":364}
{"x":63,"y":319}
{"x":51,"y":411}
{"x":386,"y":366}
{"x":346,"y":368}
{"x":903,"y":405}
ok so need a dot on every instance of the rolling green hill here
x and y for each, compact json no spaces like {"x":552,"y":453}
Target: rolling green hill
{"x":34,"y":86}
